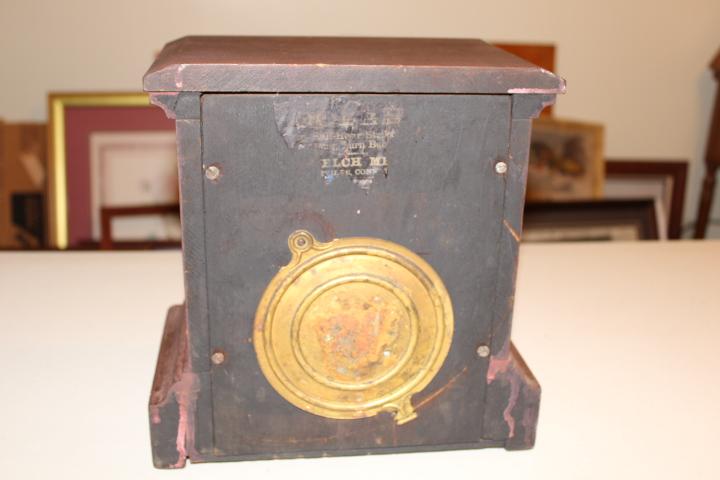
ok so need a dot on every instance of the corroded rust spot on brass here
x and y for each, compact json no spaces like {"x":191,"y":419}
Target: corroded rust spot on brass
{"x":353,"y":327}
{"x":354,"y":332}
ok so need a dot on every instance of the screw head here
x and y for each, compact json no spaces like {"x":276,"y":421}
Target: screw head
{"x":501,"y":167}
{"x":483,"y":351}
{"x":212,"y":172}
{"x":217,"y":358}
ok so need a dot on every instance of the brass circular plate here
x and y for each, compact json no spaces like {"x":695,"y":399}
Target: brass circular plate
{"x":352,"y":327}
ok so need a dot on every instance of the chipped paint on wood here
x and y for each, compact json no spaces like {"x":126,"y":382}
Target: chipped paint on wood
{"x":499,"y":366}
{"x":166,"y":101}
{"x":179,"y":76}
{"x":174,"y":394}
{"x":560,"y":89}
{"x":512,"y":231}
{"x":519,"y":396}
{"x":185,"y":392}
{"x":441,"y":390}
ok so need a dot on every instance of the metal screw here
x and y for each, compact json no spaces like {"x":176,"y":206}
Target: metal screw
{"x":212,"y":172}
{"x":217,"y":358}
{"x":501,"y":167}
{"x":483,"y":351}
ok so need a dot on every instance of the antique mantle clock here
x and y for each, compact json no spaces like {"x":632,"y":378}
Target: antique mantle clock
{"x":351,"y":212}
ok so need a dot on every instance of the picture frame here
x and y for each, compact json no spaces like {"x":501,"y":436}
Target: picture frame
{"x":663,"y":180}
{"x":109,"y":214}
{"x":566,"y":161}
{"x":595,"y":220}
{"x":73,"y":119}
{"x":23,"y":171}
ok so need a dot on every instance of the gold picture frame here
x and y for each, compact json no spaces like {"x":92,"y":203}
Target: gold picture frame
{"x":58,"y":103}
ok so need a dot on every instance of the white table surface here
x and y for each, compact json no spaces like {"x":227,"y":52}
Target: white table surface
{"x":623,"y":338}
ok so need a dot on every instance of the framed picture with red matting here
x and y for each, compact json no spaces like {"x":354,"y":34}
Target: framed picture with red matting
{"x":100,"y":145}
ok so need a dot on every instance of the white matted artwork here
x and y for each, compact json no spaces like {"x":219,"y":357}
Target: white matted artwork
{"x":595,"y":233}
{"x":129,"y":169}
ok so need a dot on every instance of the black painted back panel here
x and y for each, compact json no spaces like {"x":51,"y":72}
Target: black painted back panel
{"x":441,"y":198}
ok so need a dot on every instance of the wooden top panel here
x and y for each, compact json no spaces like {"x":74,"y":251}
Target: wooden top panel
{"x":325,"y":64}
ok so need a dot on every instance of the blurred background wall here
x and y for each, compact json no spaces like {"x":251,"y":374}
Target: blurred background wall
{"x":638,"y":66}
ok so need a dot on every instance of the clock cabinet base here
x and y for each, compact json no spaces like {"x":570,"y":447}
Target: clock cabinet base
{"x":512,"y":401}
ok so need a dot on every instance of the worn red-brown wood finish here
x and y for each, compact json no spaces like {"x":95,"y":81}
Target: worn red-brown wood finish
{"x":712,"y":160}
{"x":453,"y":192}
